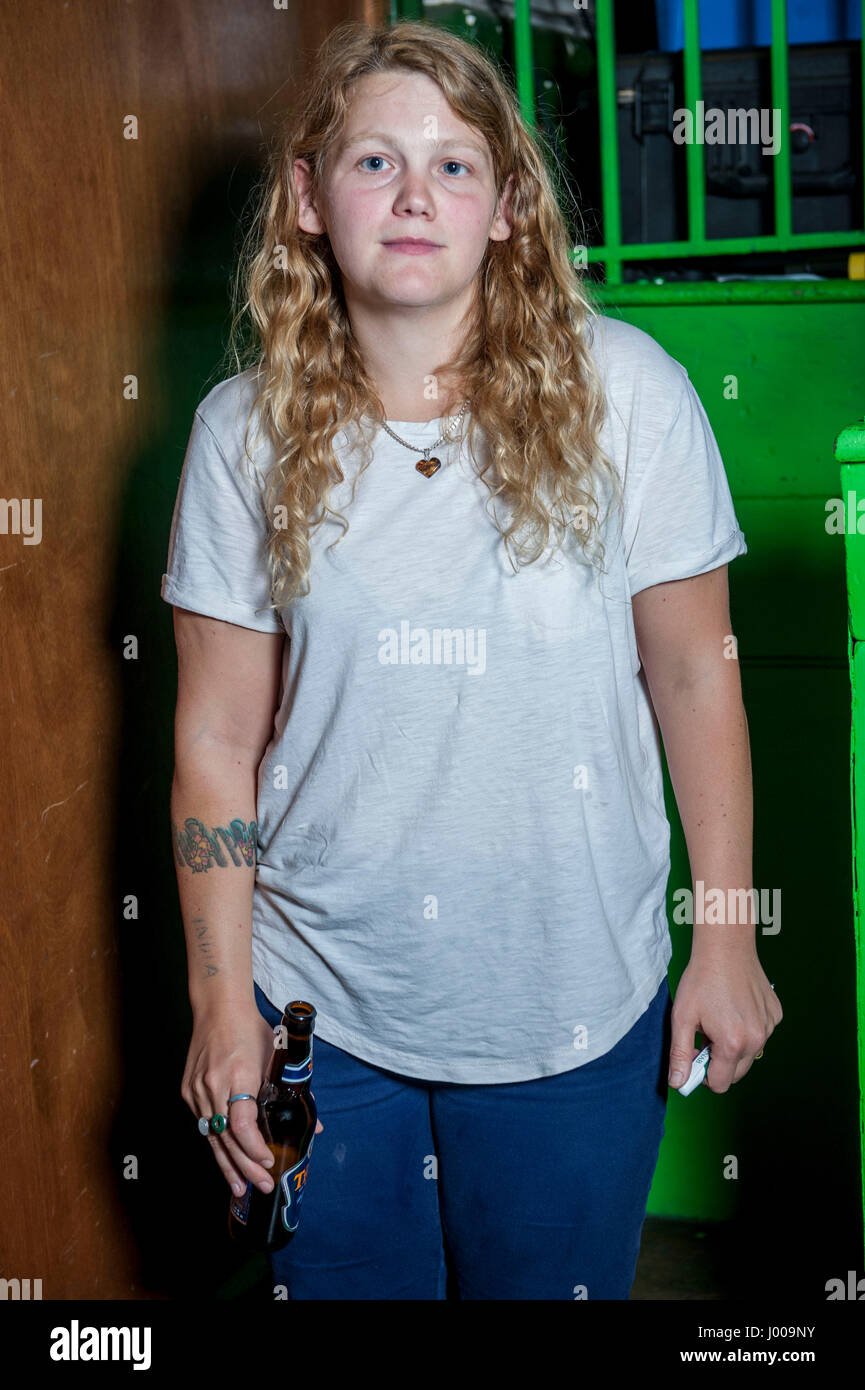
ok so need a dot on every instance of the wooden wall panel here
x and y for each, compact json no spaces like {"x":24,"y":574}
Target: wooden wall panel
{"x":99,"y":270}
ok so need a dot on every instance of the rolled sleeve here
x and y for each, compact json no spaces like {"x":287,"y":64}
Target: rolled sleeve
{"x":217,"y":563}
{"x":679,"y":518}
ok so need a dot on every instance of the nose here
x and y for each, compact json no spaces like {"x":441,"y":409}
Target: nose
{"x":413,"y":194}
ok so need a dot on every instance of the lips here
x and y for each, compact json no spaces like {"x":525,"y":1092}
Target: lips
{"x":410,"y":241}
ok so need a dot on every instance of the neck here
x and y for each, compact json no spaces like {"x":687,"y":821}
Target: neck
{"x":401,"y":347}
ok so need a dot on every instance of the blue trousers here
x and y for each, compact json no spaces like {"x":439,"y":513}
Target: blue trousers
{"x":536,"y":1189}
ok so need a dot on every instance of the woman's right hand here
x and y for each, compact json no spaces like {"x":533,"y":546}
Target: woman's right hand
{"x":229,"y":1054}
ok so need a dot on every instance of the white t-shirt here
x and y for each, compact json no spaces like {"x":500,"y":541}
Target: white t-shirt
{"x":464,"y":849}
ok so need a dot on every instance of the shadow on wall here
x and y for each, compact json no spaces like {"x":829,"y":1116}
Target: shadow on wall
{"x":178,"y":1203}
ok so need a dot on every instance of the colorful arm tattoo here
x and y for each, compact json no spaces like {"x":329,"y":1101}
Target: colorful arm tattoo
{"x":196,"y":846}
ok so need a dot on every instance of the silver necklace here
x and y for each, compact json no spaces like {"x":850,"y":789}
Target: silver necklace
{"x":428,"y":465}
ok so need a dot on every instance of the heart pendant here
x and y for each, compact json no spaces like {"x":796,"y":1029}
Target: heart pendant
{"x":428,"y":466}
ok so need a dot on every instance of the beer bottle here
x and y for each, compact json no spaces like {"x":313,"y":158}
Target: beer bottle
{"x":286,"y":1117}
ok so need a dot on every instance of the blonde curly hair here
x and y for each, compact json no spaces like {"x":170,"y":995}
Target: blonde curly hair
{"x":525,"y":362}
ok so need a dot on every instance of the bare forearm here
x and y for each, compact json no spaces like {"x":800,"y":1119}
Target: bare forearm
{"x":213,"y":832}
{"x":705,"y":732}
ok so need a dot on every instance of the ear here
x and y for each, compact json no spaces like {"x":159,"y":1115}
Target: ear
{"x":503,"y":222}
{"x":308,"y":218}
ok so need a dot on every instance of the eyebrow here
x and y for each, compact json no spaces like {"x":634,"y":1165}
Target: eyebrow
{"x":366,"y":135}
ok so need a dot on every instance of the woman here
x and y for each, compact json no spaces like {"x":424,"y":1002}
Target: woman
{"x":436,"y":812}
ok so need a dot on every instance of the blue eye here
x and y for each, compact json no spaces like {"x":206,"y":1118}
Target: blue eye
{"x":381,"y":157}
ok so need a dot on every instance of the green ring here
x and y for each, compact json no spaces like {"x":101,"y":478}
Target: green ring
{"x":217,"y":1124}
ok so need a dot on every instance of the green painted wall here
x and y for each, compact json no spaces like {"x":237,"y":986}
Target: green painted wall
{"x":793,"y":1122}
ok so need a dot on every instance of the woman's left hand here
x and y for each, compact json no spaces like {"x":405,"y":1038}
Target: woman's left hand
{"x":730,"y":1001}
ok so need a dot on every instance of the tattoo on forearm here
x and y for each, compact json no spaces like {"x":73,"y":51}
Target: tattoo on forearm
{"x":205,"y":947}
{"x":200,"y":848}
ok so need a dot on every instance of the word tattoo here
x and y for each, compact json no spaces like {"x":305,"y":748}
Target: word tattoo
{"x":204,"y":946}
{"x":197,"y":847}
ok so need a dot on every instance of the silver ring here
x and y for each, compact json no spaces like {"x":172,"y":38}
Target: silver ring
{"x":204,"y":1126}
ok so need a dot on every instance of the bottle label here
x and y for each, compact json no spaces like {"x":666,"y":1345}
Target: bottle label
{"x":293,"y":1182}
{"x":295,"y":1073}
{"x":240,"y":1205}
